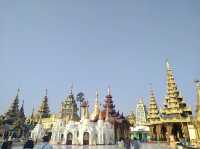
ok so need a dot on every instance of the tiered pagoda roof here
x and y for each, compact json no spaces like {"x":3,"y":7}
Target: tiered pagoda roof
{"x":174,"y":107}
{"x":44,"y":111}
{"x":153,"y":112}
{"x":69,"y":107}
{"x":109,"y":103}
{"x":13,"y":112}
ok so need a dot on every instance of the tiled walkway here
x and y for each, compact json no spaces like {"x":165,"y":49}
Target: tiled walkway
{"x":143,"y":146}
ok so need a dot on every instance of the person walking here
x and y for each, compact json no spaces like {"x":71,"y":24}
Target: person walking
{"x":127,"y":143}
{"x":45,"y":144}
{"x":7,"y":144}
{"x":136,"y":144}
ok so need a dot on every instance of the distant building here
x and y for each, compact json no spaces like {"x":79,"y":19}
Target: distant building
{"x":140,"y":131}
{"x":69,"y":107}
{"x":99,"y":127}
{"x":141,"y":113}
{"x":14,"y":119}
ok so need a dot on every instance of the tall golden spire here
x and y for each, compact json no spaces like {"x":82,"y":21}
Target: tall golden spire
{"x":95,"y":113}
{"x":174,"y":101}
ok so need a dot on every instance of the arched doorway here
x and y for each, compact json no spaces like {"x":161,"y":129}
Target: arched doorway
{"x":177,"y":131}
{"x":163,"y":133}
{"x":86,"y":138}
{"x":69,"y":138}
{"x":154,"y":134}
{"x":62,"y":137}
{"x":49,"y":134}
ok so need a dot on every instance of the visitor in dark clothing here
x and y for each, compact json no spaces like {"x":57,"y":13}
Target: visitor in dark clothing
{"x":7,"y":145}
{"x":127,"y":143}
{"x":29,"y":144}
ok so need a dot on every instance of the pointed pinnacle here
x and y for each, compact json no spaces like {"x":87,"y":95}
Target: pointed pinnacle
{"x":97,"y":94}
{"x":109,"y":90}
{"x":71,"y":89}
{"x":167,"y":64}
{"x":46,"y":92}
{"x":18,"y":90}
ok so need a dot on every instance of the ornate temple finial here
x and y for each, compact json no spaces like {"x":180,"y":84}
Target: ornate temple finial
{"x":167,"y":64}
{"x":151,"y":90}
{"x":71,"y":89}
{"x":97,"y":94}
{"x":46,"y":92}
{"x":109,"y":90}
{"x":18,"y":90}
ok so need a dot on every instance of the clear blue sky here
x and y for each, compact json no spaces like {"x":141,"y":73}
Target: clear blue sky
{"x":124,"y":44}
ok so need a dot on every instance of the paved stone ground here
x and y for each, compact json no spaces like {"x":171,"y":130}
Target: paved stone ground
{"x":143,"y":146}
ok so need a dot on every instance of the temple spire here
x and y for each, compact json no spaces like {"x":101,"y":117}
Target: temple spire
{"x":95,"y":113}
{"x":44,"y":111}
{"x":13,"y":112}
{"x":109,"y":90}
{"x":18,"y":90}
{"x":174,"y":104}
{"x":46,"y":92}
{"x":97,"y":95}
{"x":109,"y":103}
{"x":197,"y":82}
{"x":153,"y":112}
{"x":71,"y":89}
{"x":167,"y":65}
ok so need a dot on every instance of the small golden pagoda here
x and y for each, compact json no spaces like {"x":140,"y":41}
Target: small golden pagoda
{"x":153,"y":113}
{"x":153,"y":117}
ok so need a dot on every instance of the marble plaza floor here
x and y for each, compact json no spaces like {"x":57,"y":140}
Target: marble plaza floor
{"x":143,"y":146}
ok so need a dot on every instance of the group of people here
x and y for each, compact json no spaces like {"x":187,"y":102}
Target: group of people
{"x":7,"y":144}
{"x":128,"y":143}
{"x":123,"y":144}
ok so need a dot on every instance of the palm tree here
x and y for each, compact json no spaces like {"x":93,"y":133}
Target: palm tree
{"x":80,"y":98}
